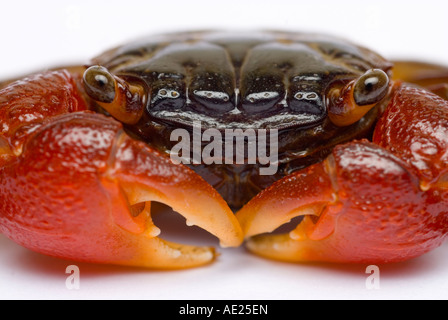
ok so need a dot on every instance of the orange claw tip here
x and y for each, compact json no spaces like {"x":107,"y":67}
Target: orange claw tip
{"x":301,"y":194}
{"x":156,"y":253}
{"x":176,"y":186}
{"x":279,"y":247}
{"x":306,"y":193}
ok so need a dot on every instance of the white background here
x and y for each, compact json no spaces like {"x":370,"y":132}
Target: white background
{"x":39,"y":34}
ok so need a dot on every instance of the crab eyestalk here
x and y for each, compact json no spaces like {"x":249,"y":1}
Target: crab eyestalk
{"x":349,"y":104}
{"x":123,"y":100}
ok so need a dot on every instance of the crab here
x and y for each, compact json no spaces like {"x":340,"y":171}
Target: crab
{"x":362,"y":145}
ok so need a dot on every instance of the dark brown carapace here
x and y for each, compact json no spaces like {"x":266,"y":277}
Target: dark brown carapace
{"x":270,"y":80}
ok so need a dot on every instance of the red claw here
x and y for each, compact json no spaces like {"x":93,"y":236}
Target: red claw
{"x":414,"y":128}
{"x":27,"y":104}
{"x":77,"y":187}
{"x":377,"y":202}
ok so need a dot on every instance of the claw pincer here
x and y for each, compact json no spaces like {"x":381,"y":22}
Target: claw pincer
{"x":379,"y":202}
{"x":76,"y":186}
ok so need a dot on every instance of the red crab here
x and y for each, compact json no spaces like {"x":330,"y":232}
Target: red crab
{"x":362,"y":151}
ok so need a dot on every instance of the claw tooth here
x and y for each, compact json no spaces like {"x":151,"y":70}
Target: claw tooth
{"x":152,"y":231}
{"x":176,"y":253}
{"x":279,"y":247}
{"x":223,"y":245}
{"x":190,"y":223}
{"x":296,"y":235}
{"x":299,"y":233}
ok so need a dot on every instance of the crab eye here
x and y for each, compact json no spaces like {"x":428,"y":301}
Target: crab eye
{"x":124,"y":99}
{"x":371,"y":87}
{"x":349,"y":104}
{"x":99,"y":84}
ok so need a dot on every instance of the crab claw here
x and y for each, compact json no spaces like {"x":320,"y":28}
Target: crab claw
{"x":361,"y":205}
{"x":368,"y":202}
{"x":82,"y":189}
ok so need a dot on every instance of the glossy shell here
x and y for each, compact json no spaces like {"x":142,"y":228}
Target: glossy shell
{"x":271,"y":80}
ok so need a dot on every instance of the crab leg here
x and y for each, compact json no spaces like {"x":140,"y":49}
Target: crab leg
{"x":367,"y":202}
{"x":74,"y":185}
{"x":432,"y":77}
